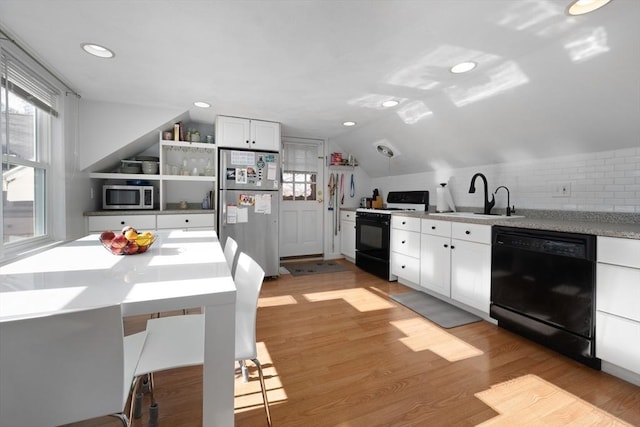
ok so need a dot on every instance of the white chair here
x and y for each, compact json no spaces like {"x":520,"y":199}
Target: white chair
{"x":66,"y":367}
{"x":230,"y":249}
{"x":178,"y":341}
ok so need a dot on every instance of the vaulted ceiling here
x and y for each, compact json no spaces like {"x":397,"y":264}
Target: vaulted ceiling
{"x":547,"y":84}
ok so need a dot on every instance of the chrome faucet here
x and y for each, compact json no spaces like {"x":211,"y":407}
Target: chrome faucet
{"x":488,"y":204}
{"x":509,"y":209}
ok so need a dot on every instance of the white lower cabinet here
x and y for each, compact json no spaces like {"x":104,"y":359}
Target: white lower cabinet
{"x":618,"y":341}
{"x":455,"y":261}
{"x":348,"y":235}
{"x":117,"y":222}
{"x":471,"y":273}
{"x":405,"y":248}
{"x":435,"y":256}
{"x":184,"y":221}
{"x":618,"y":302}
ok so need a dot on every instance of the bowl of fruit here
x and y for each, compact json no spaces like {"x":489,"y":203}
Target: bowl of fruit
{"x":128,"y":242}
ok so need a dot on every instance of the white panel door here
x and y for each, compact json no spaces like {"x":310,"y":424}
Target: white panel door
{"x":301,"y":226}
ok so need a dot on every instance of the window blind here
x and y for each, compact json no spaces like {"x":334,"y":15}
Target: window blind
{"x":27,"y":84}
{"x":300,"y":157}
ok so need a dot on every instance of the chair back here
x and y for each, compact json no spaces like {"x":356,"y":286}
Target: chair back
{"x":248,"y":279}
{"x":230,"y":249}
{"x":61,"y":368}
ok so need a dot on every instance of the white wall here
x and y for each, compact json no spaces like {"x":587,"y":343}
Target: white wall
{"x":607,"y":181}
{"x":107,"y":127}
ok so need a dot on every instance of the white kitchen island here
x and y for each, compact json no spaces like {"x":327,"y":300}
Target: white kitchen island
{"x":182,"y":269}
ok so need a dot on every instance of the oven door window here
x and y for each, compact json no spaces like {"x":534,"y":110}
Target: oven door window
{"x":372,"y":237}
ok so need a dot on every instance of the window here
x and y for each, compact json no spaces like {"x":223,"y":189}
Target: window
{"x":299,"y":172}
{"x":27,"y":113}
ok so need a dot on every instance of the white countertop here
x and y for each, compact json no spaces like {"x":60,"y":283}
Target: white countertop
{"x":179,"y":267}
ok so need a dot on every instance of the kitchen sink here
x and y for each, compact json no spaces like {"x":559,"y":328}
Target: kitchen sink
{"x":474,"y":215}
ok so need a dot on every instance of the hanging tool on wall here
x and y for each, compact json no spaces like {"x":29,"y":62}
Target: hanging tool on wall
{"x":332,"y":190}
{"x":352,"y":187}
{"x":336,"y":215}
{"x":341,"y":189}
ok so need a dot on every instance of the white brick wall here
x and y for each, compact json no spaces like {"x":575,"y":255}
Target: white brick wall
{"x":607,"y":181}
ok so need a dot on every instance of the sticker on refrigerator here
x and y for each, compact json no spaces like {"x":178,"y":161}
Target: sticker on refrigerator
{"x":241,"y":176}
{"x":243,"y":158}
{"x":232,"y":214}
{"x":251,"y":173}
{"x":246,"y":200}
{"x":263,"y":204}
{"x":243,"y":215}
{"x":231,"y":174}
{"x":271,"y":171}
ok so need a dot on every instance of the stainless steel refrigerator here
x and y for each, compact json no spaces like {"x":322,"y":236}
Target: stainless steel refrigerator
{"x":248,"y":202}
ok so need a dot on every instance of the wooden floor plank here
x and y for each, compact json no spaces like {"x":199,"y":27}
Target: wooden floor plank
{"x":338,"y":352}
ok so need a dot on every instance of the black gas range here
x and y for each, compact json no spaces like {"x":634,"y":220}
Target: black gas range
{"x":373,"y":230}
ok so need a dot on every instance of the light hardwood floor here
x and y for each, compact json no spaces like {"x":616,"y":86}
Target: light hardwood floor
{"x":338,"y":352}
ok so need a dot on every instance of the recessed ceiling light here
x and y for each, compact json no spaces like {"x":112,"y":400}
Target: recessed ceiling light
{"x":97,"y":50}
{"x":390,"y":103}
{"x":202,"y":104}
{"x":580,"y":7}
{"x":463,"y":67}
{"x":349,"y":123}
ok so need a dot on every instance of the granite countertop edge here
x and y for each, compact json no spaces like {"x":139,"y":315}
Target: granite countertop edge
{"x":623,"y":230}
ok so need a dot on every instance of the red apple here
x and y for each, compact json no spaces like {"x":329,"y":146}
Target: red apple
{"x":117,"y":251}
{"x":142,"y":249}
{"x":106,"y":237}
{"x":131,"y":248}
{"x":120,"y":241}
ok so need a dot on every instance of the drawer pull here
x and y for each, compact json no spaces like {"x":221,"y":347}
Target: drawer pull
{"x":404,"y":241}
{"x":121,"y":222}
{"x":433,"y":227}
{"x":404,"y":222}
{"x":403,"y":266}
{"x":186,"y":220}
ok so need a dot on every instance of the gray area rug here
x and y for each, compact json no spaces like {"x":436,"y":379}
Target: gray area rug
{"x":313,"y":267}
{"x":438,"y":311}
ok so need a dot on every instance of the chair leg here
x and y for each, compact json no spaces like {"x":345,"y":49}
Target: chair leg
{"x":244,"y":370}
{"x":264,"y":390}
{"x":123,"y":418}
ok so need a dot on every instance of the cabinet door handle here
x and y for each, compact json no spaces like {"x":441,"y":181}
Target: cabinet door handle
{"x":253,"y":142}
{"x":403,"y":266}
{"x":446,"y":246}
{"x":404,"y":241}
{"x":247,"y":141}
{"x":433,"y":227}
{"x":467,"y":232}
{"x":453,"y":247}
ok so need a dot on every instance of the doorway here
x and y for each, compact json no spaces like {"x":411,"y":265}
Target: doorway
{"x":301,"y":222}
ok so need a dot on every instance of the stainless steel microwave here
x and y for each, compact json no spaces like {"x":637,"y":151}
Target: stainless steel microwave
{"x":127,"y":197}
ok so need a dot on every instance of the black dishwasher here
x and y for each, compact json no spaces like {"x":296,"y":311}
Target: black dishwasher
{"x":543,"y":288}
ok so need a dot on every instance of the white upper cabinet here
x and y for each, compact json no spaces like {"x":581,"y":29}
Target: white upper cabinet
{"x":235,"y":132}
